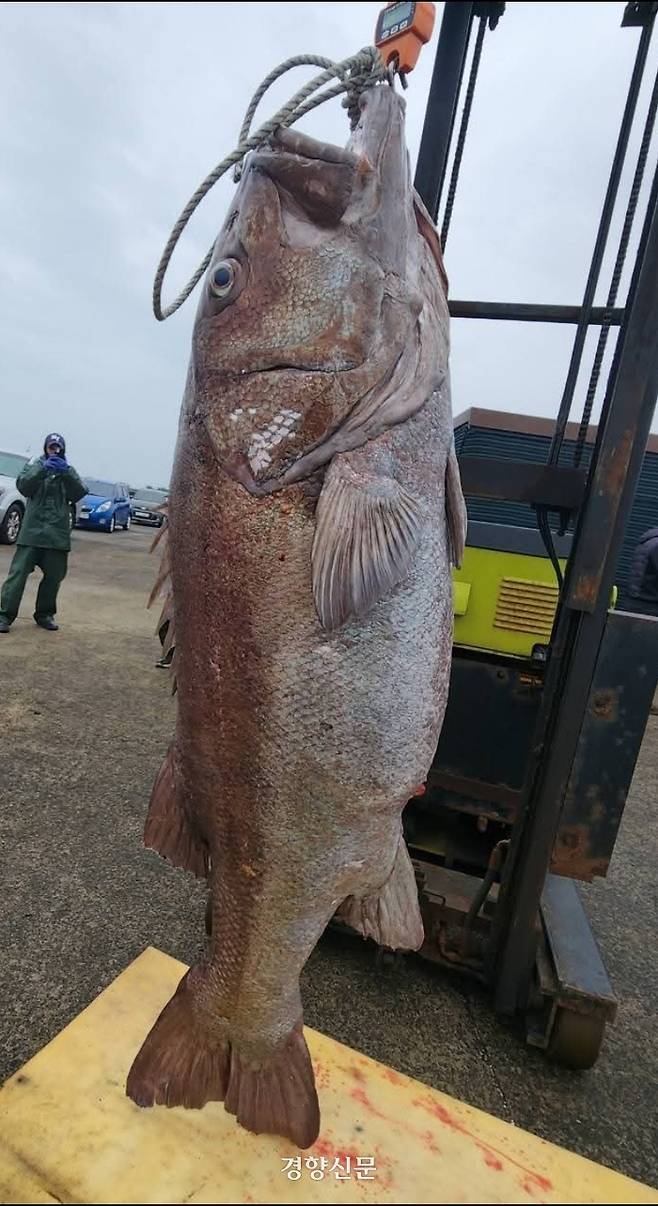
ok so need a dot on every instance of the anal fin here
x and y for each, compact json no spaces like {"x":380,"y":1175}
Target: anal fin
{"x":392,"y":915}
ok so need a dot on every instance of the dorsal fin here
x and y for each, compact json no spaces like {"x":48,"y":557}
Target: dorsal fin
{"x":162,"y":588}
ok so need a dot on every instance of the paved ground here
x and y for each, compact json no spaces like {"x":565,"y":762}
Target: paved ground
{"x":85,"y":719}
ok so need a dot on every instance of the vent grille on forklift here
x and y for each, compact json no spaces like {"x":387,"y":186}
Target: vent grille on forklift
{"x":525,"y":606}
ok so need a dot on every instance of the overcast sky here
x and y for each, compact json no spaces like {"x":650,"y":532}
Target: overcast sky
{"x":111,"y":114}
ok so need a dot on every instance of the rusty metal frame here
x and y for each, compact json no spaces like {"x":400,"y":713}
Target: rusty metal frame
{"x":582,"y":615}
{"x":533,"y":312}
{"x":569,"y":698}
{"x":619,"y":702}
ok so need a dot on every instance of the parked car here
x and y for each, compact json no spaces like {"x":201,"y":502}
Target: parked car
{"x":12,"y":504}
{"x":145,"y":504}
{"x":105,"y":506}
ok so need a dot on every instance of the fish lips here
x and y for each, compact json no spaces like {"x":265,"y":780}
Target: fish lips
{"x":321,"y":181}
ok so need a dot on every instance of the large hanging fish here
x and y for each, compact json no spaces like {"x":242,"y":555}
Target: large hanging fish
{"x":315,"y":510}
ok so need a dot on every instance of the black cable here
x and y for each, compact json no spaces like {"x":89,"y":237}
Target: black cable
{"x":461,"y":139}
{"x":616,"y":275}
{"x":588,"y":299}
{"x":600,"y":244}
{"x":547,"y":538}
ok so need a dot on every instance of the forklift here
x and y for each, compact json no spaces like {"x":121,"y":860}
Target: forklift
{"x":552,"y":684}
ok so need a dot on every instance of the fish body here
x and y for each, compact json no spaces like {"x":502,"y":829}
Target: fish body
{"x":315,"y":509}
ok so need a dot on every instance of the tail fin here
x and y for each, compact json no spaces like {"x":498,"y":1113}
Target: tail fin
{"x":176,"y":1064}
{"x":182,"y":1064}
{"x":168,"y":829}
{"x":278,"y":1098}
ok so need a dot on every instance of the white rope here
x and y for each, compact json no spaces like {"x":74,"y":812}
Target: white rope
{"x":354,"y":74}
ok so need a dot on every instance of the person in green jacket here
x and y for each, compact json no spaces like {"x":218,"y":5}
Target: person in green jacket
{"x":50,"y":485}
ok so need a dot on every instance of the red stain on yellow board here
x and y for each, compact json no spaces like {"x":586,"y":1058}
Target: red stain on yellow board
{"x":535,"y":1182}
{"x":426,"y":1137}
{"x":322,"y":1077}
{"x":361,"y":1096}
{"x":382,"y":1174}
{"x":393,"y":1076}
{"x":322,"y":1147}
{"x":493,"y":1158}
{"x":430,"y":1143}
{"x":531,"y":1182}
{"x":433,"y":1107}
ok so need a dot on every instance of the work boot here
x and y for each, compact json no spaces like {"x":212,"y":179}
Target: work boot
{"x":4,"y":624}
{"x":48,"y":623}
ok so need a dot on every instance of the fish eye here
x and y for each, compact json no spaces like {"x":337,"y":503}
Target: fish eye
{"x":222,"y":278}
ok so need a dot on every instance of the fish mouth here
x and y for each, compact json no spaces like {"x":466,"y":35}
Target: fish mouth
{"x":319,"y":179}
{"x":306,"y":147}
{"x":244,"y":374}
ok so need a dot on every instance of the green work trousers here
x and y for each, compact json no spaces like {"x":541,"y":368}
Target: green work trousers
{"x":51,"y":562}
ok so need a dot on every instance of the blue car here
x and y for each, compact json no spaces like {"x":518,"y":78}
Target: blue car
{"x":106,"y":506}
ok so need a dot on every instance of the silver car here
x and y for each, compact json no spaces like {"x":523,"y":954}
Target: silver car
{"x":145,"y":504}
{"x":12,"y":504}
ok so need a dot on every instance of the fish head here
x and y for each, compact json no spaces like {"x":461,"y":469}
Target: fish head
{"x":309,"y":299}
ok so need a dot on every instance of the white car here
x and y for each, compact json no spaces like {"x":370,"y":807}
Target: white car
{"x":12,"y":504}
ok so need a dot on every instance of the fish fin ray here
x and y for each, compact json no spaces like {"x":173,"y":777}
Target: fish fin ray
{"x":181,"y":1064}
{"x":163,"y":587}
{"x":168,"y":829}
{"x":162,"y":532}
{"x":277,"y":1098}
{"x":392,"y":915}
{"x":166,"y":615}
{"x":456,"y":516}
{"x":177,"y":1065}
{"x":367,"y":529}
{"x":162,"y":584}
{"x":169,"y":641}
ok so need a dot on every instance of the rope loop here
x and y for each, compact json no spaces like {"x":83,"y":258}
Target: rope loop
{"x":354,"y":74}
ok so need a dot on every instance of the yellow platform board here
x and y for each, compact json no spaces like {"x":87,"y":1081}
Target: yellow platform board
{"x":68,"y":1133}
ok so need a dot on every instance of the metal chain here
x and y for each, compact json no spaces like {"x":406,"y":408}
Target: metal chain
{"x":354,"y":74}
{"x":463,"y":129}
{"x":616,"y":275}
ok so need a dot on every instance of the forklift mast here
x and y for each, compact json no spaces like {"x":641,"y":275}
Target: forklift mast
{"x":533,"y":801}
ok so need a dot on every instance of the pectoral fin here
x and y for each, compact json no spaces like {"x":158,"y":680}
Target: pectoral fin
{"x":367,"y":529}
